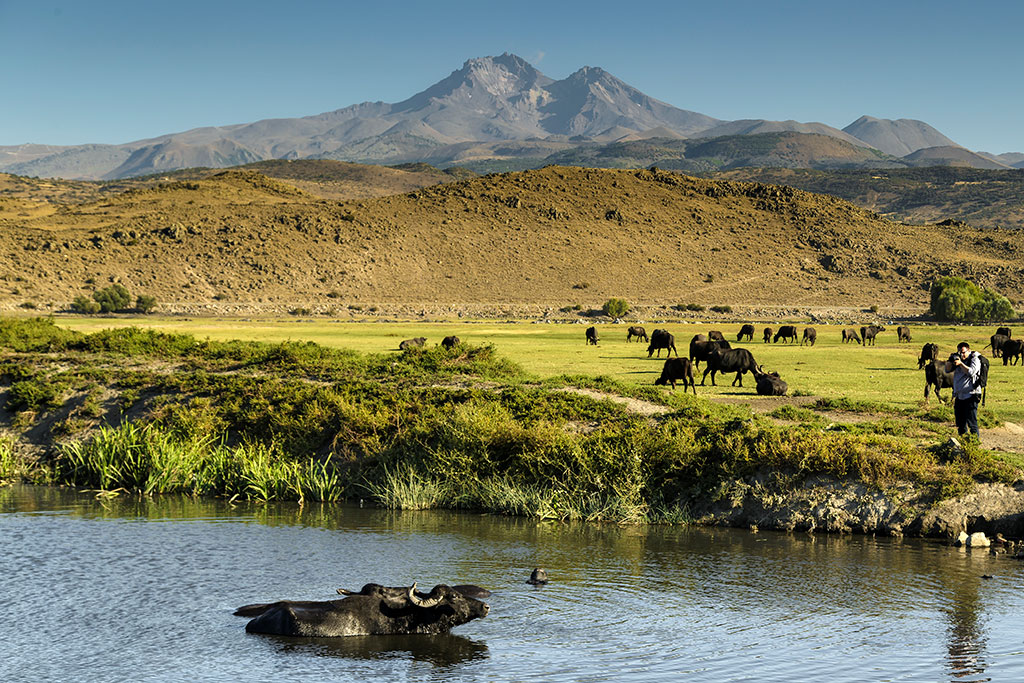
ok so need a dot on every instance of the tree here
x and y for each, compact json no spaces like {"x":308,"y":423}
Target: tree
{"x":83,"y":304}
{"x":145,"y":303}
{"x":616,"y":308}
{"x":959,"y":300}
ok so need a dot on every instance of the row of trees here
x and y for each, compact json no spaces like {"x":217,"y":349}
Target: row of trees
{"x":958,"y":300}
{"x":113,"y":299}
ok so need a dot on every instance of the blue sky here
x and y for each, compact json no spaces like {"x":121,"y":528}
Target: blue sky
{"x":112,"y":71}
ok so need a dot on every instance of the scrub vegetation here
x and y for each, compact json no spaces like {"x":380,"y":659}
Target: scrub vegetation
{"x":151,"y":412}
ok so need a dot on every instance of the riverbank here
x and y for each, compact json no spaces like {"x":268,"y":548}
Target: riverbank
{"x":433,"y":428}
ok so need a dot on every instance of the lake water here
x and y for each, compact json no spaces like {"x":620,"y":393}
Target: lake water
{"x":135,"y":590}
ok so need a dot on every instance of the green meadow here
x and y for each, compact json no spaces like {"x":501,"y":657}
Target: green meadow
{"x":884,"y":374}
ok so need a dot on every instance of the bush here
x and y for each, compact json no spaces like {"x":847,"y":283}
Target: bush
{"x":722,"y":309}
{"x":616,"y":308}
{"x":83,"y":304}
{"x":145,"y":303}
{"x":113,"y":298}
{"x":958,"y":300}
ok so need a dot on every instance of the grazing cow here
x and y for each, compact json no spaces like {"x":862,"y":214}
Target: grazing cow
{"x":699,"y":337}
{"x":786,"y":333}
{"x":638,"y":332}
{"x":997,"y":341}
{"x":592,"y":336}
{"x":768,"y":334}
{"x":810,"y":336}
{"x":415,"y":343}
{"x":715,"y":335}
{"x":849,"y":335}
{"x":869,"y":333}
{"x":746,"y":331}
{"x":677,"y":369}
{"x":929,"y":352}
{"x":1012,"y":351}
{"x":1005,"y":331}
{"x":903,"y":333}
{"x":700,"y":350}
{"x":374,"y":610}
{"x":662,"y":339}
{"x":935,"y":375}
{"x":770,"y":384}
{"x":450,"y":342}
{"x":729,"y":360}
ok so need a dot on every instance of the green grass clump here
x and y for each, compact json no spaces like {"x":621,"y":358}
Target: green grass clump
{"x":795,"y":414}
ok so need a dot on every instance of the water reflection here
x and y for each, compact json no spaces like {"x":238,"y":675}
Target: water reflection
{"x":966,"y":644}
{"x":443,"y":651}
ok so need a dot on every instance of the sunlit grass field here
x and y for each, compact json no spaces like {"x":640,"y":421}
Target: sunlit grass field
{"x":886,"y":373}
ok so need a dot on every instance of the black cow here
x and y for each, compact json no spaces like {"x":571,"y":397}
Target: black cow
{"x":935,"y":375}
{"x":810,"y":336}
{"x":450,"y":342}
{"x":869,"y":333}
{"x":1005,"y":331}
{"x":415,"y":343}
{"x":903,"y":333}
{"x":374,"y":610}
{"x":592,"y":336}
{"x":768,"y":334}
{"x":700,"y":350}
{"x":677,"y":369}
{"x":1013,"y":350}
{"x":699,"y":337}
{"x":729,"y":360}
{"x":929,"y":352}
{"x":997,"y":341}
{"x":638,"y":332}
{"x":662,"y":339}
{"x":849,"y":335}
{"x":786,"y":333}
{"x":715,"y":335}
{"x":746,"y":331}
{"x":770,"y":384}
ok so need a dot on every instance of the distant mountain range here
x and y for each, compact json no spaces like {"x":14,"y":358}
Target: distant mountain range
{"x":497,"y":113}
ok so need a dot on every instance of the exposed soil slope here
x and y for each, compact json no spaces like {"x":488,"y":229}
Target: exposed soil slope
{"x":553,"y":237}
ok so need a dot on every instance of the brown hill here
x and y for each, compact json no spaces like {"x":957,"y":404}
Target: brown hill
{"x":552,"y":237}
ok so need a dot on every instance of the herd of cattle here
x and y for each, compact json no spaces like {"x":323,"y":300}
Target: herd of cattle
{"x":718,"y":355}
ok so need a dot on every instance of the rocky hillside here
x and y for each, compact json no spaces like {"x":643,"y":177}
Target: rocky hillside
{"x":240,"y":242}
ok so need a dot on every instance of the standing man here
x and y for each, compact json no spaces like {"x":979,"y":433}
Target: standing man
{"x":966,"y":389}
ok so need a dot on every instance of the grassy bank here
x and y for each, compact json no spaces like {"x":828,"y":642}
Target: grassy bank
{"x":152,"y":412}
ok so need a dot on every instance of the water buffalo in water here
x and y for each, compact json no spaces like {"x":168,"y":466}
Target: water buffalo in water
{"x":415,"y":343}
{"x":1005,"y":331}
{"x":903,"y":333}
{"x":538,"y":577}
{"x":450,"y":342}
{"x":929,"y":352}
{"x":810,"y":336}
{"x":662,"y":339}
{"x":849,"y":335}
{"x":700,"y":350}
{"x":786,"y":333}
{"x":678,"y":369}
{"x":869,"y":333}
{"x":746,"y":331}
{"x":768,"y":334}
{"x":770,"y":384}
{"x":715,"y":335}
{"x":935,"y":375}
{"x":996,"y":341}
{"x":1012,"y":351}
{"x":729,"y":360}
{"x":638,"y":332}
{"x":591,"y":336}
{"x":374,"y":610}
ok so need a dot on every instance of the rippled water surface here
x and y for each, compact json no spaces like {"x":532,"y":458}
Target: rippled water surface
{"x":136,"y":590}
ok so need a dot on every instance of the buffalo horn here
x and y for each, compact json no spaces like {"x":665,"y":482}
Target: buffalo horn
{"x":419,"y":602}
{"x":345,"y":591}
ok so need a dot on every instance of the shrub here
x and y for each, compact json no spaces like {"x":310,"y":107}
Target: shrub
{"x":27,"y":305}
{"x":83,"y":304}
{"x":145,"y":303}
{"x":958,"y":300}
{"x":113,"y":298}
{"x":616,"y":308}
{"x":722,"y":309}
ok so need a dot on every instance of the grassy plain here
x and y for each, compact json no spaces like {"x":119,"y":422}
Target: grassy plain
{"x":886,"y":373}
